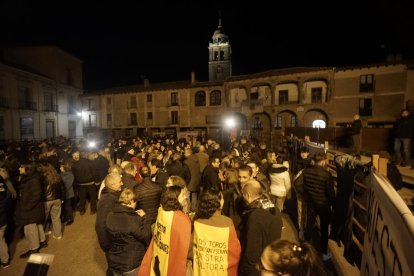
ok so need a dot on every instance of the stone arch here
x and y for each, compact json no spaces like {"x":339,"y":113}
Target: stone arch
{"x":314,"y":114}
{"x":286,"y":118}
{"x":261,"y":127}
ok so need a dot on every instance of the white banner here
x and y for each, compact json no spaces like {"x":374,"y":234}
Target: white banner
{"x":389,"y":239}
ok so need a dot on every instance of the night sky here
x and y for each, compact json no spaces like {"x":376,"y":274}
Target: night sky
{"x":124,"y":42}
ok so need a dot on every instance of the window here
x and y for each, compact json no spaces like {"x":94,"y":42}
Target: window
{"x":215,"y":97}
{"x":200,"y":98}
{"x":366,"y":83}
{"x":92,"y":120}
{"x":221,"y":55}
{"x":149,"y":115}
{"x":254,"y":96}
{"x":174,"y":117}
{"x":294,"y":121}
{"x":257,"y":124}
{"x":365,"y":107}
{"x":25,"y":98}
{"x":283,"y":96}
{"x":216,"y":55}
{"x":69,"y":76}
{"x":48,"y":102}
{"x":316,"y":95}
{"x":71,"y":105}
{"x":133,"y":102}
{"x":91,"y":104}
{"x":72,"y":129}
{"x":109,"y":117}
{"x":26,"y":128}
{"x":149,"y":98}
{"x":278,"y":121}
{"x":133,"y":118}
{"x":174,"y":98}
{"x":108,"y":101}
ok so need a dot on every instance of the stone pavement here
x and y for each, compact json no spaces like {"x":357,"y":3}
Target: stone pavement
{"x":78,"y":252}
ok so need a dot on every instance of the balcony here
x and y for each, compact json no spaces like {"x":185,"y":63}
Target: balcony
{"x":28,"y":105}
{"x":4,"y":102}
{"x":50,"y":108}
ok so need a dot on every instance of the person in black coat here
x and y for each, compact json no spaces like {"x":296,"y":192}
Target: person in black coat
{"x":319,"y":195}
{"x":356,"y":127}
{"x":108,"y":200}
{"x":149,"y":196}
{"x":128,"y":234}
{"x":85,"y":177}
{"x":210,"y":177}
{"x":158,"y":175}
{"x":30,"y":209}
{"x":262,"y":222}
{"x":404,"y":131}
{"x":128,"y":176}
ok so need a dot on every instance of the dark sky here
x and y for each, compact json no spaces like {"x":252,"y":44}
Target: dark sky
{"x":124,"y":41}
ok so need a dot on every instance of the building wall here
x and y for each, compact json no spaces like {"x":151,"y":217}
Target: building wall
{"x":34,"y":72}
{"x":340,"y":99}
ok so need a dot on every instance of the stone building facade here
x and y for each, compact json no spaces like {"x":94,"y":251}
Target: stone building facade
{"x":263,"y":103}
{"x":40,"y":89}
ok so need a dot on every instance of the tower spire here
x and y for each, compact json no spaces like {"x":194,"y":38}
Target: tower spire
{"x":219,"y":25}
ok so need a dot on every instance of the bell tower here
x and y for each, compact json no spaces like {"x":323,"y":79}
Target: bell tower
{"x":219,"y":64}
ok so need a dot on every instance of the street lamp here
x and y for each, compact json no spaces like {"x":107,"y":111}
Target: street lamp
{"x":230,"y":122}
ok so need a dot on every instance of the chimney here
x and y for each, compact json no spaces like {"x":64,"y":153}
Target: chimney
{"x":193,"y":79}
{"x":146,"y":83}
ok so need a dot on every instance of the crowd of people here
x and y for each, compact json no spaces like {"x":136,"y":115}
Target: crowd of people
{"x":167,"y":207}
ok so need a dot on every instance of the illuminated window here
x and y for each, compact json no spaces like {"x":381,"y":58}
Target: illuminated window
{"x":319,"y":124}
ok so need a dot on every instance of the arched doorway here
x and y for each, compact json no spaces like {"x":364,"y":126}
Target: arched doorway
{"x":313,"y":115}
{"x":261,"y":127}
{"x":286,"y":118}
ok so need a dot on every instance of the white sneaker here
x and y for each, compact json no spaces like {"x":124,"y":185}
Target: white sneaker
{"x":326,"y":257}
{"x":57,"y":238}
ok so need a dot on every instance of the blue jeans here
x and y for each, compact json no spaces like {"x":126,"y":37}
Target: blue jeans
{"x":405,"y":142}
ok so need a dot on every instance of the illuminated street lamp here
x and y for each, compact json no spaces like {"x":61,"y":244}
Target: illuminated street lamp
{"x":230,"y":122}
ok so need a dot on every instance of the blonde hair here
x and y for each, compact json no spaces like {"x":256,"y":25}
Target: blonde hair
{"x":127,"y":196}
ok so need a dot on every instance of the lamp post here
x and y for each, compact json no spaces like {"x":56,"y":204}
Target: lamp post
{"x":230,"y":124}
